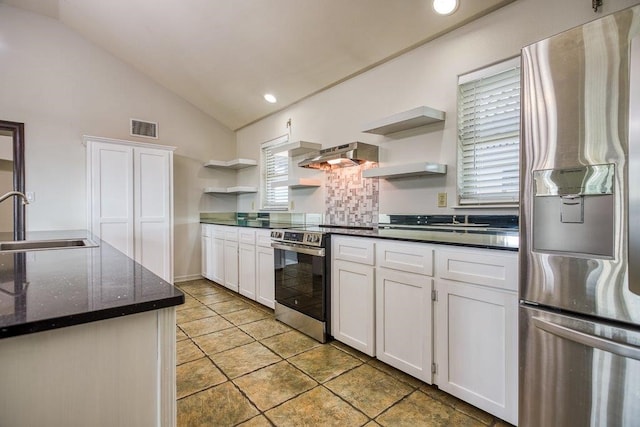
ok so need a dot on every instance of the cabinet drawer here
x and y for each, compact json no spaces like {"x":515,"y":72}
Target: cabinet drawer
{"x":353,"y":249}
{"x":409,"y":257}
{"x":217,"y":231}
{"x":487,"y":267}
{"x":247,"y":235}
{"x":231,"y":234}
{"x":263,"y":238}
{"x":206,"y":230}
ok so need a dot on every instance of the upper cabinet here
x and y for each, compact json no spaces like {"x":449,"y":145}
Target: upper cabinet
{"x":231,"y":164}
{"x":410,"y":119}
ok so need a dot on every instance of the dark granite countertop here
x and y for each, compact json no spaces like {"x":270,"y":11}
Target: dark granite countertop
{"x":250,"y":223}
{"x":492,"y":238}
{"x":506,"y":239}
{"x":50,"y":289}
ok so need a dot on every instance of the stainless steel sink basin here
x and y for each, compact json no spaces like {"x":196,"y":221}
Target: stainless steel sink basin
{"x":39,"y":245}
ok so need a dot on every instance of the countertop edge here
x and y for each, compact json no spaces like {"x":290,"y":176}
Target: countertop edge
{"x":31,"y":327}
{"x":429,"y":241}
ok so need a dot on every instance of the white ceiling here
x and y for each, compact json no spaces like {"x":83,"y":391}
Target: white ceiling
{"x":223,"y":55}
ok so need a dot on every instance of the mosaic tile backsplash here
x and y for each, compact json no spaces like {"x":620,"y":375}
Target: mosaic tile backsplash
{"x":351,"y":199}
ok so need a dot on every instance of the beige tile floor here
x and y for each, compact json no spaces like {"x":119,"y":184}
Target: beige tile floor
{"x":237,"y":366}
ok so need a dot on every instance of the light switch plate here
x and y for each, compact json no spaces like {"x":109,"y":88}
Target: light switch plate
{"x":442,"y":200}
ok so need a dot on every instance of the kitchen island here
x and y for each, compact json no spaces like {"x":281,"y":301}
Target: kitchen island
{"x":87,"y":337}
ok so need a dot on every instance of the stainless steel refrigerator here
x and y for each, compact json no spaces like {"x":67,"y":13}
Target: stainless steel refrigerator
{"x":580,"y":226}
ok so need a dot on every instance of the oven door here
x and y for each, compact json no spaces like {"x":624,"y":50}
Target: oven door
{"x":300,"y":279}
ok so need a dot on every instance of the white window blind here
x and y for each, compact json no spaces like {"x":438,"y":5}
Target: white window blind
{"x":275,"y":173}
{"x":489,"y":134}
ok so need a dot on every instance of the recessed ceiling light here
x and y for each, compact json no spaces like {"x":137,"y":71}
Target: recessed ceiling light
{"x":270,"y":98}
{"x":445,"y":7}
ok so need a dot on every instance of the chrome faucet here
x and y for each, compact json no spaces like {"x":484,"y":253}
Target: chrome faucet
{"x":25,"y":201}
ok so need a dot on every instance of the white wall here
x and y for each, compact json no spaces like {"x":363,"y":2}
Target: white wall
{"x":424,"y":76}
{"x":62,"y":87}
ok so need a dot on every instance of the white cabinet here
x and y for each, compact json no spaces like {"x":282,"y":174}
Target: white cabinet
{"x":205,"y":251}
{"x":240,"y":259}
{"x":231,"y":258}
{"x":404,"y":318}
{"x":265,"y":273}
{"x":215,"y":254}
{"x":247,"y":262}
{"x":130,"y":193}
{"x":352,"y":292}
{"x":477,"y":328}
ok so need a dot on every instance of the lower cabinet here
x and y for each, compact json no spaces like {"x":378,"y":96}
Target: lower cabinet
{"x":240,"y":259}
{"x":231,"y":278}
{"x":247,"y":270}
{"x":476,"y":342}
{"x":205,"y":250}
{"x":404,"y":321}
{"x":247,"y":262}
{"x":265,"y":269}
{"x":477,"y":329}
{"x":216,"y":258}
{"x":352,"y":310}
{"x":444,"y":314}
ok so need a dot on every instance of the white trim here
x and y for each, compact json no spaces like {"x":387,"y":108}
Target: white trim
{"x":187,"y":278}
{"x":167,"y":407}
{"x":87,"y":138}
{"x":489,"y":71}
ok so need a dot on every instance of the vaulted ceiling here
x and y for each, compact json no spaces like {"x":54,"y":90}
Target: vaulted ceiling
{"x":224,"y":55}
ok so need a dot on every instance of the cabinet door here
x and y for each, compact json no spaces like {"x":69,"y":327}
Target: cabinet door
{"x":247,"y":270}
{"x":404,"y":321}
{"x":231,"y":265}
{"x":477,"y":346}
{"x":111,"y":176}
{"x":153,"y":206}
{"x":352,"y":305}
{"x":205,"y":249}
{"x":265,"y":276}
{"x":216,"y":260}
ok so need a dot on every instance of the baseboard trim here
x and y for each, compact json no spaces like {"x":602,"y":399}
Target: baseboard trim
{"x":186,"y":278}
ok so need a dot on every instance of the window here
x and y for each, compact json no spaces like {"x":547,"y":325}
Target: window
{"x":275,"y":172}
{"x":489,"y":134}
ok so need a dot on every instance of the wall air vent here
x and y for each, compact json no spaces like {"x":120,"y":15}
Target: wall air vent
{"x":144,"y":129}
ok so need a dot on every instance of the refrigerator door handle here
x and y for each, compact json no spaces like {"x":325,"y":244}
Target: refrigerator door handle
{"x":634,"y":165}
{"x":589,"y":340}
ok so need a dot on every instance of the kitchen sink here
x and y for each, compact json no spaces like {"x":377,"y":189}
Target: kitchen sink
{"x":39,"y":245}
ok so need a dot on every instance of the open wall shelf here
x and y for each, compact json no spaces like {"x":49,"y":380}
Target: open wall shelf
{"x":404,"y":171}
{"x":231,"y":190}
{"x":301,"y":183}
{"x":297,"y":148}
{"x":231,"y":164}
{"x":413,"y":118}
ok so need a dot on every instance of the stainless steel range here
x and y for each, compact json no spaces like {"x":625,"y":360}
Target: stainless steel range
{"x":301,"y":281}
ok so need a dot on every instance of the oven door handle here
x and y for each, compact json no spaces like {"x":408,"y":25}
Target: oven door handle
{"x":299,"y":249}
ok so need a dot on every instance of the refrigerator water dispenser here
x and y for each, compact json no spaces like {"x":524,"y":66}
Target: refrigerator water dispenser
{"x":573,"y":210}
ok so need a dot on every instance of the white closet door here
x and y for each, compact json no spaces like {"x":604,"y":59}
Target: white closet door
{"x":112,"y":201}
{"x":152,"y":224}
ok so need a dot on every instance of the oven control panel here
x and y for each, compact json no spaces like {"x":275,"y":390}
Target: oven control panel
{"x":308,"y":238}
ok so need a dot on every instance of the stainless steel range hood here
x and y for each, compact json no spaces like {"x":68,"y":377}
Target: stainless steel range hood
{"x":352,"y":154}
